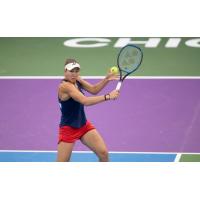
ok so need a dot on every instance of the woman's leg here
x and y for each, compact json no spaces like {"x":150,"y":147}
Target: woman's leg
{"x":64,"y":151}
{"x":93,"y":140}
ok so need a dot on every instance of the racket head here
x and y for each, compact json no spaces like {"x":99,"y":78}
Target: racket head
{"x":129,"y":59}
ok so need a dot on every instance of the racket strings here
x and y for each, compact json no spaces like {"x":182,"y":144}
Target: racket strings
{"x":129,"y":58}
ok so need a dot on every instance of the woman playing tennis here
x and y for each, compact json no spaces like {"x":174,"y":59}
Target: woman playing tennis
{"x":74,"y":124}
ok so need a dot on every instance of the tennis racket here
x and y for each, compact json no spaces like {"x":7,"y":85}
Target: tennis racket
{"x":129,"y":59}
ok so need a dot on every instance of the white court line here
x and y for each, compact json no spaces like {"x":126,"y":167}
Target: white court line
{"x":178,"y":157}
{"x":117,"y":152}
{"x":100,"y":77}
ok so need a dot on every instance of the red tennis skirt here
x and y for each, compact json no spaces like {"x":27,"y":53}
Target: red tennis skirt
{"x":70,"y":135}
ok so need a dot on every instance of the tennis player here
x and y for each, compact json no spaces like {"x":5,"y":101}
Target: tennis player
{"x":74,"y":124}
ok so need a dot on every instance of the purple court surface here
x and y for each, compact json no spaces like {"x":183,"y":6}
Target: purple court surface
{"x":151,"y":115}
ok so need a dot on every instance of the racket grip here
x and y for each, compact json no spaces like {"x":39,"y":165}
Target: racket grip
{"x":119,"y":84}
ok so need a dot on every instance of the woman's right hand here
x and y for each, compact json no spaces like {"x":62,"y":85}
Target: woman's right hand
{"x":114,"y":94}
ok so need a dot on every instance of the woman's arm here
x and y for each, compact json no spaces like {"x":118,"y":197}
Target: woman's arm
{"x":95,"y":89}
{"x":74,"y":93}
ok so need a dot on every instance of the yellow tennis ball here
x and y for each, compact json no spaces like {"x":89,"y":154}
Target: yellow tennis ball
{"x":114,"y":70}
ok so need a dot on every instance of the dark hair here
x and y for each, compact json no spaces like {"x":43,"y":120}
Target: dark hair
{"x":70,"y":60}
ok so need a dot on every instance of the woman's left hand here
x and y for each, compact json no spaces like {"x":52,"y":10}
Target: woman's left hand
{"x":112,"y":76}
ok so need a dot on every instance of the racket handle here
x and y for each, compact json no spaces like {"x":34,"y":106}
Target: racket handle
{"x":119,"y":84}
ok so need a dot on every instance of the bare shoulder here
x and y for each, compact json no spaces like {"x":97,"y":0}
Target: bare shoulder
{"x":65,"y":85}
{"x":65,"y":90}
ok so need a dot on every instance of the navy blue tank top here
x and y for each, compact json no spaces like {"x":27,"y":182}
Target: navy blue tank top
{"x":72,"y":112}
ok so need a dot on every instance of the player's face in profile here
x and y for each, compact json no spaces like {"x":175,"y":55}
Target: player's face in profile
{"x":72,"y":75}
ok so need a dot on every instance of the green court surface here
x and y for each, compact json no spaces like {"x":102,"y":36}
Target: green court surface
{"x":190,"y":158}
{"x":45,"y":56}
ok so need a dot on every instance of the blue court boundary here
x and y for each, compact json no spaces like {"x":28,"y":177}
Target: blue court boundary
{"x":47,"y":156}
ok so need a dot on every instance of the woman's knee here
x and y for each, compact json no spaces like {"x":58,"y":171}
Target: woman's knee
{"x":103,"y":155}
